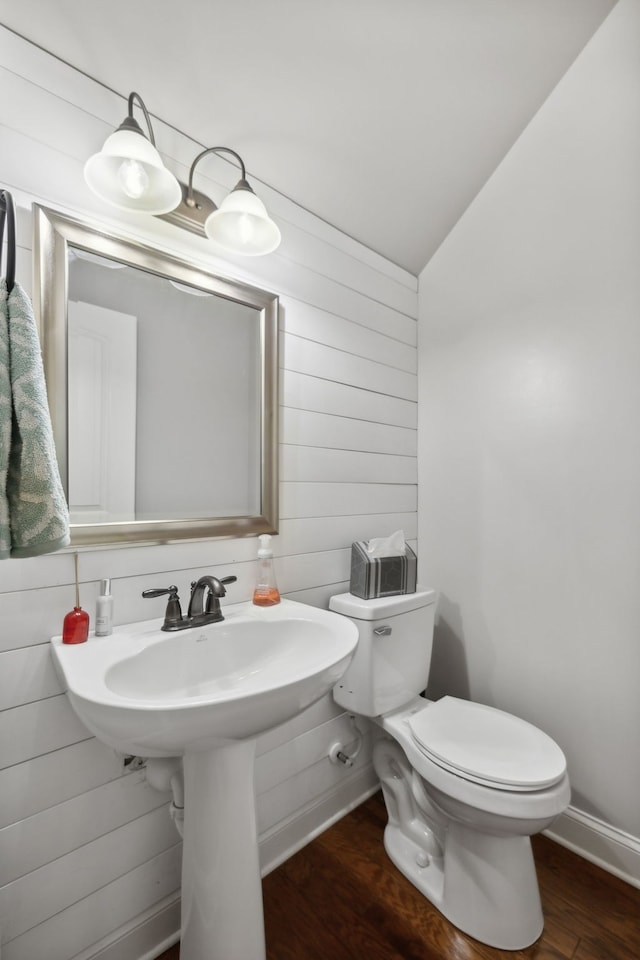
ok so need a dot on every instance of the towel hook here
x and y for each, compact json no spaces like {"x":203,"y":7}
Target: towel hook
{"x":8,"y":211}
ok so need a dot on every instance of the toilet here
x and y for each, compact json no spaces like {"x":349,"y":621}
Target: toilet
{"x":465,"y":785}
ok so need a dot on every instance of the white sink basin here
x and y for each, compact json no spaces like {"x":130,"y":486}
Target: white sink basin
{"x":206,"y":693}
{"x":152,"y":693}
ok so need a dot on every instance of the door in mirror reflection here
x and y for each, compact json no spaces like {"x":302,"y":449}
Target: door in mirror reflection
{"x":102,"y":385}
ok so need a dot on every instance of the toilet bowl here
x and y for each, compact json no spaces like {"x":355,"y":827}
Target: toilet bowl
{"x":465,"y":785}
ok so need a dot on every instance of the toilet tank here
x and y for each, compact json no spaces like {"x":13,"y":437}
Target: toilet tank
{"x":393,"y":656}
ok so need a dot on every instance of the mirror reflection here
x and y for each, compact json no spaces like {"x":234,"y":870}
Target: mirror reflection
{"x":165,"y":417}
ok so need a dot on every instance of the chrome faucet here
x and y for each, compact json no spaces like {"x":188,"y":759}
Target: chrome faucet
{"x":200,"y":614}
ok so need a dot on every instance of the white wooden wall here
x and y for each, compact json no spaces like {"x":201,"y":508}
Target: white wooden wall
{"x":88,"y":854}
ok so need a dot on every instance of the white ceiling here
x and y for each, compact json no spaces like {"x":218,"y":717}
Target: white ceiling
{"x":382,"y":117}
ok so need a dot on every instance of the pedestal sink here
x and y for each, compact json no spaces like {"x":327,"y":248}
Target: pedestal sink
{"x":206,"y":694}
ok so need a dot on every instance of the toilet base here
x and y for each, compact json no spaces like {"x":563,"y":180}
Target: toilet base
{"x":485,"y":885}
{"x":496,"y":903}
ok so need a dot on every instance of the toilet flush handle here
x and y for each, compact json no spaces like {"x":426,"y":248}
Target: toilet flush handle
{"x":382,"y":631}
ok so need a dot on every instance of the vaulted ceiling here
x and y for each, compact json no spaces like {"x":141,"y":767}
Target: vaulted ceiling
{"x":383,"y":117}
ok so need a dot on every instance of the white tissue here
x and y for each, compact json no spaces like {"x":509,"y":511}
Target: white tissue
{"x":392,"y":546}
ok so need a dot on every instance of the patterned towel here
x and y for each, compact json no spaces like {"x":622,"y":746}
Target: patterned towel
{"x":5,"y":423}
{"x":37,"y":509}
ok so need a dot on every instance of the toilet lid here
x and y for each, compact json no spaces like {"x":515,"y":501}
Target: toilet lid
{"x":487,"y":746}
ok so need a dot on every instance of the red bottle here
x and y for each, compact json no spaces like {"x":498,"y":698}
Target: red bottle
{"x":75,"y":628}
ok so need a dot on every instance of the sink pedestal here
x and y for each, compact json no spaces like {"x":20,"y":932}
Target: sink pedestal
{"x":222,"y":914}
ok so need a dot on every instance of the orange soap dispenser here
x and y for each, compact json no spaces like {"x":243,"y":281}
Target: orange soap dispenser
{"x":266,"y":593}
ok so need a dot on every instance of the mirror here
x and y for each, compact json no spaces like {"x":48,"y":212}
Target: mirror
{"x":162,"y":384}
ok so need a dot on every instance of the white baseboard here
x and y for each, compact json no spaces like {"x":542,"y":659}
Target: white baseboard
{"x":153,"y":932}
{"x":612,"y":849}
{"x":143,"y":938}
{"x":290,"y":835}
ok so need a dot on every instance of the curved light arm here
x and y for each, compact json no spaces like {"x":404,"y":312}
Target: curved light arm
{"x":136,"y":96}
{"x":189,"y":200}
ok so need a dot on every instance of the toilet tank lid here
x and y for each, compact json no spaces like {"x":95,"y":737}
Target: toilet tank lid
{"x":381,"y":607}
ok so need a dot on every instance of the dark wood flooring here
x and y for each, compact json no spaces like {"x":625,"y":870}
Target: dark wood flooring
{"x":341,"y":898}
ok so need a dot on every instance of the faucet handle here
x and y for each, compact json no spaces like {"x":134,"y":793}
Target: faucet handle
{"x":220,"y":581}
{"x":213,"y":599}
{"x":160,"y":592}
{"x":173,"y":613}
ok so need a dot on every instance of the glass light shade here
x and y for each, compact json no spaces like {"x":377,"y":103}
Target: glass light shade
{"x":241,"y":224}
{"x":129,"y":173}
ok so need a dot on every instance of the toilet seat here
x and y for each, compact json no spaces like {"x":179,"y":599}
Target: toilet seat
{"x":487,"y":746}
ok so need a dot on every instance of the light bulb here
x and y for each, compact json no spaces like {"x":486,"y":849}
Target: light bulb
{"x":245,"y":228}
{"x":133,"y":178}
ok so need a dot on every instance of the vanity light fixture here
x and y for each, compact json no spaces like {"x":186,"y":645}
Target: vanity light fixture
{"x":129,"y":173}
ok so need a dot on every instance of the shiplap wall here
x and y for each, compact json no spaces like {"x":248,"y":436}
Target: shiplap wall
{"x":87,"y":854}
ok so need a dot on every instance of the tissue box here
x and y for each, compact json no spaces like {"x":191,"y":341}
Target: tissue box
{"x":381,"y":576}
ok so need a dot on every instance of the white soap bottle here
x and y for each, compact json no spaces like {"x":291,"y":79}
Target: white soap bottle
{"x":266,"y":593}
{"x":104,"y":610}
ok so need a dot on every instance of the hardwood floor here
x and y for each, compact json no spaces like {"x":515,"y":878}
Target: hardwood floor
{"x":341,"y":898}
